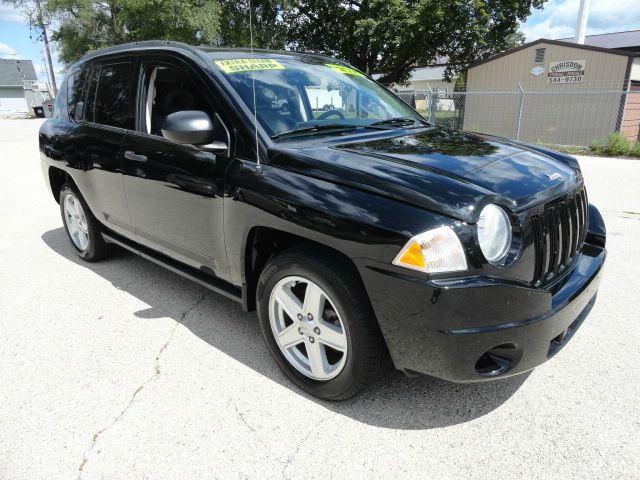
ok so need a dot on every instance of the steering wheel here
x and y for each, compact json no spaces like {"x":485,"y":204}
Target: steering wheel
{"x":328,"y":113}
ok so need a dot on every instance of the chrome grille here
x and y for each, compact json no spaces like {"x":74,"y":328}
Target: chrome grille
{"x":558,"y":235}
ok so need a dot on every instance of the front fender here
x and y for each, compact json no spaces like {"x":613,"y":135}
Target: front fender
{"x":354,"y":222}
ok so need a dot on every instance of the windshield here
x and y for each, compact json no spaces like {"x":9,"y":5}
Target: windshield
{"x":305,"y":96}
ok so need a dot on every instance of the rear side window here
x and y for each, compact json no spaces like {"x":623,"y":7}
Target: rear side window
{"x":75,"y":86}
{"x":60,"y":103}
{"x":114,"y":98}
{"x":92,"y":86}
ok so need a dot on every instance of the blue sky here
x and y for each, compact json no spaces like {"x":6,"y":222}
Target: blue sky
{"x":556,"y":20}
{"x":15,"y":42}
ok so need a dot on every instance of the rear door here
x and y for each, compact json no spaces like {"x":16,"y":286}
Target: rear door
{"x":102,"y":118}
{"x":175,"y":191}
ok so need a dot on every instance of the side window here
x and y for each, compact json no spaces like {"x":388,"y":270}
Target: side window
{"x":169,"y":90}
{"x":75,"y":86}
{"x":114,"y":101}
{"x":92,"y":87}
{"x":60,"y":103}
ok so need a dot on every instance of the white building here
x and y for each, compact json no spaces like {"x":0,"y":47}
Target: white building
{"x":428,"y":79}
{"x":19,"y":88}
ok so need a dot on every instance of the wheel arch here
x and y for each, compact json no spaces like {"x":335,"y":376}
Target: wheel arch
{"x":263,"y":243}
{"x":57,"y":178}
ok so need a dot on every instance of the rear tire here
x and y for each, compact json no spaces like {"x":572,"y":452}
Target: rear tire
{"x":345,"y":335}
{"x":81,"y":226}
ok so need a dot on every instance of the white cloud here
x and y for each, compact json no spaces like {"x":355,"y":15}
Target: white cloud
{"x":546,"y":29}
{"x":8,"y":51}
{"x":558,"y":18}
{"x":9,"y":13}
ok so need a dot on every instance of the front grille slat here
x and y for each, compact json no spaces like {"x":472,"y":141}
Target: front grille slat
{"x":554,"y":232}
{"x":580,"y":206}
{"x":566,"y":232}
{"x":546,"y":229}
{"x":585,"y":215}
{"x":558,"y":234}
{"x":538,"y":241}
{"x":571,"y":232}
{"x":578,"y":221}
{"x":559,"y":219}
{"x":576,"y":226}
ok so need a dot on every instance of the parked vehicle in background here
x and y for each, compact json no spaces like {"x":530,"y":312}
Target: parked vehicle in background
{"x":357,"y":233}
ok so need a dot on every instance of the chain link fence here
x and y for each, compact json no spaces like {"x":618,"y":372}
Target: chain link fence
{"x":568,"y":117}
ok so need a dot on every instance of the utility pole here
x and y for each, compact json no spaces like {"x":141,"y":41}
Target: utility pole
{"x":581,"y":25}
{"x":45,"y":37}
{"x":46,"y":70}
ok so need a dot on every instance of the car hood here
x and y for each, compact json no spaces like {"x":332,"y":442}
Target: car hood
{"x":443,"y":170}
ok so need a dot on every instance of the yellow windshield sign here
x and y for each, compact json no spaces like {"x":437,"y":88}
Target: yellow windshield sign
{"x":236,"y":65}
{"x":343,"y":69}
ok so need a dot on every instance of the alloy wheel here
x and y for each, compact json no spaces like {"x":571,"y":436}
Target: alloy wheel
{"x":76,"y":222}
{"x":308,"y":328}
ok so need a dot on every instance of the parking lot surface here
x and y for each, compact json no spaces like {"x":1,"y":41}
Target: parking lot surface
{"x":121,"y":369}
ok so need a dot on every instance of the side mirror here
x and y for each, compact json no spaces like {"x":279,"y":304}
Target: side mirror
{"x":217,"y":148}
{"x":192,"y":127}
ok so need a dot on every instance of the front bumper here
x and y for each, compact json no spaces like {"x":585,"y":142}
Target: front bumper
{"x":450,"y":329}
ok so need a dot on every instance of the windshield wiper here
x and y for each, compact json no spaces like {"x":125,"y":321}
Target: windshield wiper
{"x":400,"y":121}
{"x":316,"y":128}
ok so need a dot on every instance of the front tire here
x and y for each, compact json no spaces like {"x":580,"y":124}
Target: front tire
{"x":318,"y":323}
{"x":82,"y":228}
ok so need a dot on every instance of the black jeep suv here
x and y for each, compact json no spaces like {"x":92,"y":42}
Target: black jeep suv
{"x":296,"y":185}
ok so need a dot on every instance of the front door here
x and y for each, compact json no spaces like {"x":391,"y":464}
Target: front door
{"x":174,"y":191}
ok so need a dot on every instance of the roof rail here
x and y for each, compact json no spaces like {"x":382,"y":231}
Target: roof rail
{"x":151,"y":44}
{"x":271,"y":52}
{"x":147,"y":44}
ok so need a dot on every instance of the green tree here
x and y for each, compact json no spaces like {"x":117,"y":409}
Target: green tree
{"x":269,"y":30}
{"x":86,"y":25}
{"x":515,"y":39}
{"x":393,"y":36}
{"x":390,"y":37}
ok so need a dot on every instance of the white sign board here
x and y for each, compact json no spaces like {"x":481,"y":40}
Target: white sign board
{"x":567,"y":71}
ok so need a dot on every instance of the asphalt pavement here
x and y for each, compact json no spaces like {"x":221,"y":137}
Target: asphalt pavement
{"x":121,"y":369}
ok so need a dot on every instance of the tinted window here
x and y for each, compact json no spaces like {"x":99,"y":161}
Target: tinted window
{"x":114,"y":102}
{"x":74,"y":93}
{"x":169,"y":90}
{"x":60,"y":103}
{"x":92,"y":86}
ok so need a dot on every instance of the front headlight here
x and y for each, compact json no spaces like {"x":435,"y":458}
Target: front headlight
{"x":434,"y":251}
{"x":494,"y":233}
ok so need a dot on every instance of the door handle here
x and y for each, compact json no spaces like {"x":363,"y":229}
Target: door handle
{"x":134,"y":156}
